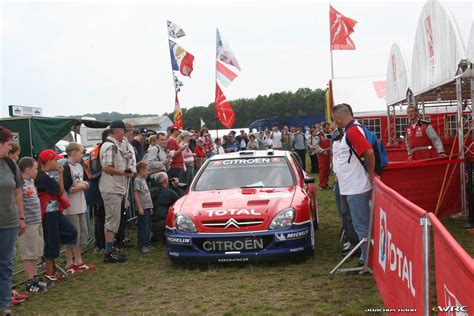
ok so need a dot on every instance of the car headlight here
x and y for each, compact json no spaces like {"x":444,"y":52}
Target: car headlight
{"x":283,"y":219}
{"x":184,"y":223}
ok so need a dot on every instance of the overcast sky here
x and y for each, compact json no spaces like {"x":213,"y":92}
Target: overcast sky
{"x":79,"y":57}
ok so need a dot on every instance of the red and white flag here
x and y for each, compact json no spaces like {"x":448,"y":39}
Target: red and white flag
{"x":178,"y":114}
{"x":224,"y":112}
{"x":380,"y":88}
{"x":341,"y":27}
{"x":224,"y":74}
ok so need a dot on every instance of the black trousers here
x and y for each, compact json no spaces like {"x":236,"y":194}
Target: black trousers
{"x":314,"y":163}
{"x":99,"y":222}
{"x":302,"y":154}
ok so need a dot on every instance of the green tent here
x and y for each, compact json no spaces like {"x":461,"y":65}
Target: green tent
{"x":35,"y":134}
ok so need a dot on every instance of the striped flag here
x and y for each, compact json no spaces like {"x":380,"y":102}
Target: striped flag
{"x":224,"y":75}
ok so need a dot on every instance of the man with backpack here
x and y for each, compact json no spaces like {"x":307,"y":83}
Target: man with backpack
{"x":113,"y":186}
{"x":355,"y":175}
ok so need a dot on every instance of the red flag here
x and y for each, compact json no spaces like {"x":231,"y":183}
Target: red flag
{"x":224,"y":112}
{"x":178,"y":114}
{"x":380,"y":88}
{"x":341,"y":28}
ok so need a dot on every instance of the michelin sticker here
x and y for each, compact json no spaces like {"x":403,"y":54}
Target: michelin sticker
{"x":292,"y":236}
{"x":178,"y":240}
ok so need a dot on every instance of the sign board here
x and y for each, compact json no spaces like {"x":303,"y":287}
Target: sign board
{"x":17,"y":110}
{"x":16,"y":138}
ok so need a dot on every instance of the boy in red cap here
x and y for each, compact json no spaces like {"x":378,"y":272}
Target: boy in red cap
{"x":56,"y":228}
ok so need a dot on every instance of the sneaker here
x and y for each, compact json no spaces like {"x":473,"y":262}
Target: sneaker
{"x":18,"y":296}
{"x":72,"y":270}
{"x":85,"y":266}
{"x":14,"y":301}
{"x":35,"y":287}
{"x":113,"y":257}
{"x":119,"y":252}
{"x":6,"y":312}
{"x":145,"y":250}
{"x":41,"y":282}
{"x":55,"y":277}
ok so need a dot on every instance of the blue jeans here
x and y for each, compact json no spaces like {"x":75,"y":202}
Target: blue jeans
{"x":360,"y":213}
{"x":7,"y":255}
{"x":144,"y":226}
{"x":345,"y":214}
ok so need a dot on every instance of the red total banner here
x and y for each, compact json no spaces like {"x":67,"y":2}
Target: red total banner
{"x":421,"y":182}
{"x":397,"y":255}
{"x":454,"y":269}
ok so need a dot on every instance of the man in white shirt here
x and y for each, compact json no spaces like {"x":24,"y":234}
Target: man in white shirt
{"x":276,"y":138}
{"x":355,"y":179}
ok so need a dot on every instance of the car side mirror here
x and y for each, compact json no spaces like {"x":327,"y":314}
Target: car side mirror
{"x":309,"y":180}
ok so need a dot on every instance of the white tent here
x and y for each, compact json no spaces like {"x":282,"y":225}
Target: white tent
{"x":470,"y":45}
{"x":398,"y":76}
{"x":437,"y":50}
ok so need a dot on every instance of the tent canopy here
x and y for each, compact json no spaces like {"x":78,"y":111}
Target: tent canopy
{"x":437,"y":50}
{"x":35,"y":134}
{"x":398,"y":76}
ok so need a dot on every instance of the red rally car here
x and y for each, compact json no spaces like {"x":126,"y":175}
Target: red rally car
{"x":244,"y":206}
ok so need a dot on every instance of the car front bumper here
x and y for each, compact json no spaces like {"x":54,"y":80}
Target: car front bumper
{"x":293,"y":241}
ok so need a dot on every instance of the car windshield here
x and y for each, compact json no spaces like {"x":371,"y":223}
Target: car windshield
{"x":245,"y":173}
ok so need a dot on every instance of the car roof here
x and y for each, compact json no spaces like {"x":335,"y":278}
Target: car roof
{"x":252,"y":154}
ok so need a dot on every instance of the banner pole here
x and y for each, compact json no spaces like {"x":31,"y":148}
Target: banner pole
{"x":369,"y":235}
{"x":330,"y":40}
{"x":425,"y":222}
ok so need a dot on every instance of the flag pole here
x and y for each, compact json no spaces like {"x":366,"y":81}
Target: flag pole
{"x":330,"y":40}
{"x":172,"y":76}
{"x":215,"y":101}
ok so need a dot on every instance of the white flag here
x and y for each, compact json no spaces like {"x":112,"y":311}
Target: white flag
{"x":174,"y":30}
{"x":202,"y":123}
{"x":225,"y":53}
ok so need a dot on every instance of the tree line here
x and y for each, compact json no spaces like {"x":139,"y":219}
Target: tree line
{"x":303,"y":101}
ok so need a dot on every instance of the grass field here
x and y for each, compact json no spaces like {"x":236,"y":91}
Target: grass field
{"x":151,"y":284}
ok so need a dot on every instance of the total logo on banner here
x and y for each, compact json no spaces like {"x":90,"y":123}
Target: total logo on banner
{"x":392,"y":257}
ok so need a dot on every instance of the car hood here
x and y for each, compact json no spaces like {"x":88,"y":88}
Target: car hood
{"x":247,"y":209}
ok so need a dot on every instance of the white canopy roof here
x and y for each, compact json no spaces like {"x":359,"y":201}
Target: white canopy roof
{"x":470,"y":44}
{"x":398,"y":76}
{"x":437,"y":50}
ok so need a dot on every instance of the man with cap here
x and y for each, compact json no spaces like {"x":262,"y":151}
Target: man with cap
{"x":113,"y":186}
{"x":139,"y":143}
{"x":176,"y":153}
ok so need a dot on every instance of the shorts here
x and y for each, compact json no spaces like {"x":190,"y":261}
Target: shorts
{"x":31,"y":242}
{"x":79,"y":221}
{"x":57,"y":230}
{"x":113,"y":210}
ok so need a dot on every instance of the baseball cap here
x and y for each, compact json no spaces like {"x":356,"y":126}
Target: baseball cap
{"x":174,"y":127}
{"x":48,"y":154}
{"x":185,"y":133}
{"x":118,"y":124}
{"x":143,"y":131}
